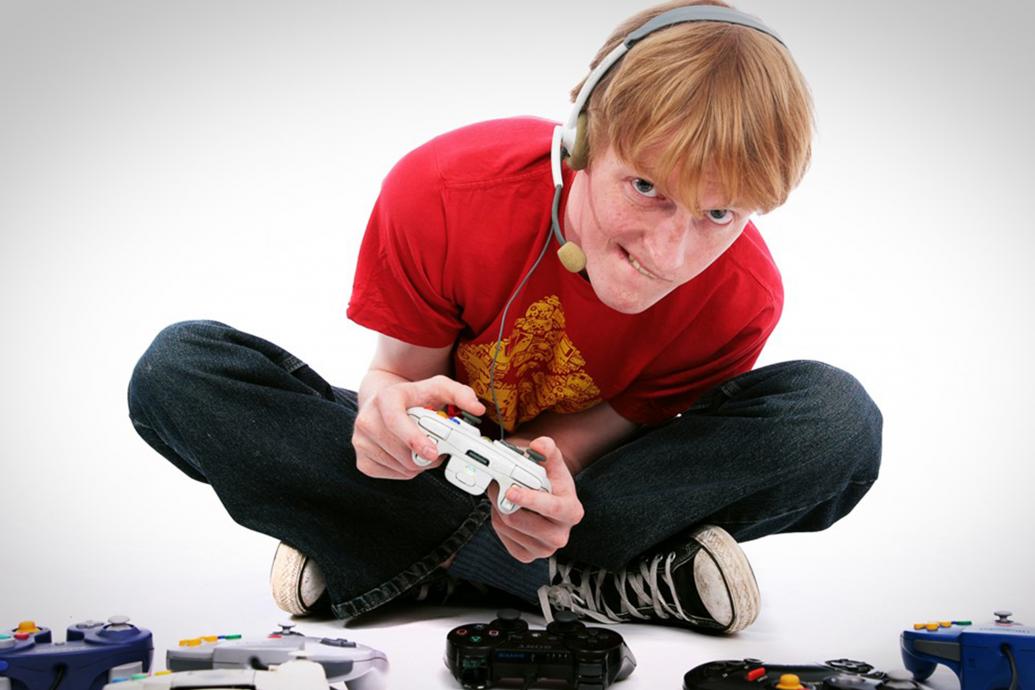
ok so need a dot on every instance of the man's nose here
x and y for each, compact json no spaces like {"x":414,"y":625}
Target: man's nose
{"x":666,"y":243}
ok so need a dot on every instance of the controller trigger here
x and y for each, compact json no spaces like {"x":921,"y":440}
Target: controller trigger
{"x":470,"y":419}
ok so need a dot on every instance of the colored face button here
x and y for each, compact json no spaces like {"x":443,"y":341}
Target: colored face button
{"x":230,"y":637}
{"x":22,"y":635}
{"x":27,"y":627}
{"x":755,"y":673}
{"x":961,"y":623}
{"x":476,"y":638}
{"x":190,"y":643}
{"x":932,"y":626}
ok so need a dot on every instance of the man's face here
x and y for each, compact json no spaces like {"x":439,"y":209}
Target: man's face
{"x":639,"y":244}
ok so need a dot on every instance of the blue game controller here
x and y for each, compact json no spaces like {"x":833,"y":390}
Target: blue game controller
{"x":92,"y":655}
{"x":994,"y":656}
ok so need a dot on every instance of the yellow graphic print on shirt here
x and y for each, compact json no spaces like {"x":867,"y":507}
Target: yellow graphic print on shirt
{"x":538,"y":368}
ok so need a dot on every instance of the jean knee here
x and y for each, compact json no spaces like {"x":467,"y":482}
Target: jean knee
{"x":848,"y":414}
{"x":160,"y":369}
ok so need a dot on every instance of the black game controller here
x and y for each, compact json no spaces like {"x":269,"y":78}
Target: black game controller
{"x":755,"y":674}
{"x":568,"y":652}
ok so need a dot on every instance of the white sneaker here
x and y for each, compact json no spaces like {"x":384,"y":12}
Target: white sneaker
{"x":706,"y":584}
{"x":297,"y":583}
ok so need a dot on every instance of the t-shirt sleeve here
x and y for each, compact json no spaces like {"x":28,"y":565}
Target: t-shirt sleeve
{"x":671,"y":384}
{"x":400,"y":288}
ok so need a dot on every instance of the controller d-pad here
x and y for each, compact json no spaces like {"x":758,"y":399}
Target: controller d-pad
{"x":850,"y":665}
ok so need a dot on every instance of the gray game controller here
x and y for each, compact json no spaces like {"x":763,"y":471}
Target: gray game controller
{"x":359,"y":666}
{"x":476,"y":460}
{"x":292,"y":675}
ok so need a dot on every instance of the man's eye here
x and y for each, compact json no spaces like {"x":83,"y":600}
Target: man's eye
{"x":720,"y":216}
{"x":644,"y":187}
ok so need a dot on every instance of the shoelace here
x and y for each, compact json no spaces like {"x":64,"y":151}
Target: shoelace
{"x":585,"y":598}
{"x":428,"y":586}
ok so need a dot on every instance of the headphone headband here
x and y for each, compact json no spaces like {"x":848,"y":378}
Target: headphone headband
{"x":698,"y":13}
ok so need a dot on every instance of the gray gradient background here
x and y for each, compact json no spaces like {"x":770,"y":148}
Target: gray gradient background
{"x":163,"y":161}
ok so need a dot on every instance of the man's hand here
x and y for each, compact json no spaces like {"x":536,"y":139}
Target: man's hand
{"x":545,"y":519}
{"x":384,"y":435}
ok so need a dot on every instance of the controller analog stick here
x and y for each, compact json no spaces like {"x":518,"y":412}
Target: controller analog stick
{"x":509,"y":620}
{"x":899,"y":680}
{"x":565,"y":621}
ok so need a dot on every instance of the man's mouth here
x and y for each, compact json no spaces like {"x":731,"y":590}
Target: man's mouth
{"x":636,"y":264}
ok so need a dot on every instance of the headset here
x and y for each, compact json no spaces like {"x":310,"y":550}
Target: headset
{"x":570,"y":141}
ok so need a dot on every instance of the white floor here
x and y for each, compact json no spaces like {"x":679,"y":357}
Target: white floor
{"x":847,"y":592}
{"x":165,"y":161}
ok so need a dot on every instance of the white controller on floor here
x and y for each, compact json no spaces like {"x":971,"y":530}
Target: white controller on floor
{"x":293,"y":675}
{"x":476,"y":460}
{"x":359,"y":666}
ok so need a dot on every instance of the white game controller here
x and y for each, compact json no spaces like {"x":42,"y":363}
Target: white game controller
{"x":359,"y":666}
{"x":475,"y":460}
{"x":292,"y":675}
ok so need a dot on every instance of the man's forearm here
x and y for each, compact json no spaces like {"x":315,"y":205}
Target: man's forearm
{"x":582,"y":437}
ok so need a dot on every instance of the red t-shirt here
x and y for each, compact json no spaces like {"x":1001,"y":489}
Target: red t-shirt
{"x":457,"y":225}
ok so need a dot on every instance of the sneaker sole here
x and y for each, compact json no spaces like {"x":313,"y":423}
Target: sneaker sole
{"x":286,"y":580}
{"x":736,"y":573}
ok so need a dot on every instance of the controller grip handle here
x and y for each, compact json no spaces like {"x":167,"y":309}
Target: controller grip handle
{"x":920,"y":667}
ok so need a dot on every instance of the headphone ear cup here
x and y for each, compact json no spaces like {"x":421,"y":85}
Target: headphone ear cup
{"x":578,"y":157}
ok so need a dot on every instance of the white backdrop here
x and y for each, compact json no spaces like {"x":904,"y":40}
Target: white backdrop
{"x":170,"y":160}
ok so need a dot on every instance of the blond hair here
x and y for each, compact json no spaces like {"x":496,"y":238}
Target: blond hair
{"x":705,"y":102}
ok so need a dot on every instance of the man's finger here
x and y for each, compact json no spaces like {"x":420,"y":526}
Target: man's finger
{"x":545,"y":504}
{"x":561,"y":481}
{"x":442,"y":390}
{"x":375,"y":462}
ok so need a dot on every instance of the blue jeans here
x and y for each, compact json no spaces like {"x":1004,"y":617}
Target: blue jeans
{"x":787,"y":447}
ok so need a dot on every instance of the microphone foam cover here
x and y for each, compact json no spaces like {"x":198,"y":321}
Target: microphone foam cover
{"x":572,"y":256}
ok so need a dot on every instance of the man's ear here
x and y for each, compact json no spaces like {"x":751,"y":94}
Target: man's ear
{"x":578,"y":157}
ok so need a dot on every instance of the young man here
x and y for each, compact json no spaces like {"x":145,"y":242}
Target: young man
{"x":631,"y":373}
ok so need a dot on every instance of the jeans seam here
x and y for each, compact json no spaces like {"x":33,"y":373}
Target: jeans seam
{"x":798,"y":510}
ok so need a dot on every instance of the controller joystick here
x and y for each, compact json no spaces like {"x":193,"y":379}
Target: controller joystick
{"x":475,"y":460}
{"x":844,"y":682}
{"x":899,"y":680}
{"x":509,"y":620}
{"x":481,"y":656}
{"x":1003,"y":617}
{"x":564,"y":622}
{"x":286,"y":630}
